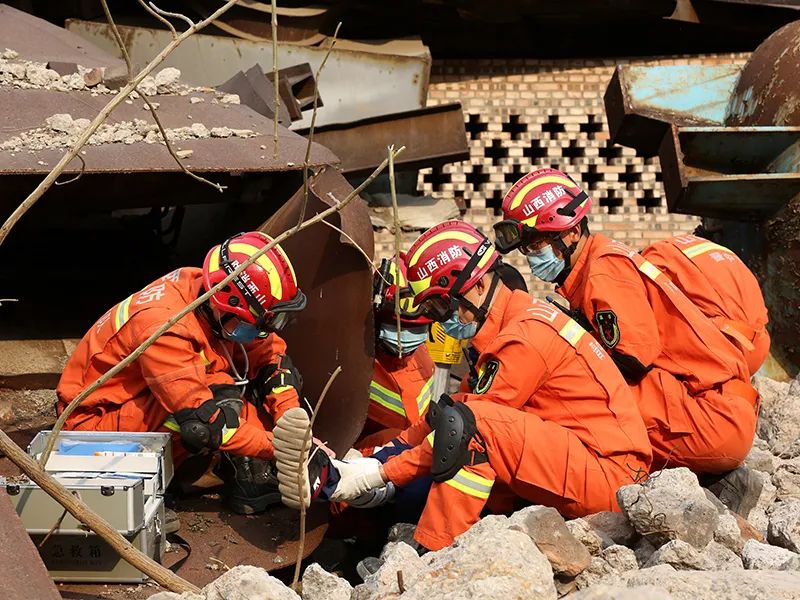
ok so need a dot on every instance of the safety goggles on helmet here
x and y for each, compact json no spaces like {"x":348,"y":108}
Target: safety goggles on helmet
{"x":383,"y":300}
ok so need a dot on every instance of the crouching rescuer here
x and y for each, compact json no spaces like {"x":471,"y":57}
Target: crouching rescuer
{"x":218,"y":379}
{"x":548,"y":419}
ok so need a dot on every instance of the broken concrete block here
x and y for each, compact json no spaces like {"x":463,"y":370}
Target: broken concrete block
{"x":546,"y":527}
{"x":758,"y":516}
{"x":721,"y":558}
{"x":709,"y":585}
{"x":779,"y":419}
{"x":680,"y":555}
{"x":616,"y":592}
{"x":786,"y":478}
{"x":614,"y":525}
{"x":763,"y":556}
{"x":148,"y":86}
{"x":728,"y":533}
{"x":397,"y":558}
{"x":591,"y":539}
{"x":318,"y":584}
{"x":670,"y":505}
{"x":784,"y":525}
{"x":245,"y":582}
{"x":502,"y":564}
{"x":167,"y":80}
{"x":643,"y":550}
{"x":760,"y":459}
{"x":613,"y":561}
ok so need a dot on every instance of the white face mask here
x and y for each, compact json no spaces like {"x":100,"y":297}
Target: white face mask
{"x":458,"y":330}
{"x":411,"y":337}
{"x":545,"y":264}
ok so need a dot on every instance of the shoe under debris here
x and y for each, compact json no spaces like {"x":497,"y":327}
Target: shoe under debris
{"x":294,"y":453}
{"x":252,"y":484}
{"x":368,"y":566}
{"x":172,"y":523}
{"x":739,"y":489}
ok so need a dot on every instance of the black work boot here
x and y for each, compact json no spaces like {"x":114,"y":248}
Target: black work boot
{"x":251,"y":484}
{"x":739,"y":489}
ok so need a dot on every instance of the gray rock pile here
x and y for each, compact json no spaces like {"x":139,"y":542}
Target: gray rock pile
{"x":671,"y":540}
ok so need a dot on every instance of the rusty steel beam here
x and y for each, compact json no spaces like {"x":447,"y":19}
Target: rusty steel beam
{"x":433,"y":136}
{"x":642,"y":102}
{"x":742,"y":173}
{"x":336,"y":328}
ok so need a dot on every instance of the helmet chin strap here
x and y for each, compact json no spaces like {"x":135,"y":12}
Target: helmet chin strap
{"x":482,"y":311}
{"x":566,"y":253}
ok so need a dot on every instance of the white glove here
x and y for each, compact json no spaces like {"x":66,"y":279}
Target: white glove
{"x":358,"y":476}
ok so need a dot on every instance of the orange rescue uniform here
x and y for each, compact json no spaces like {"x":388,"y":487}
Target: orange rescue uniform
{"x":399,"y":394}
{"x":696,"y":400}
{"x":174,"y":373}
{"x":721,"y":286}
{"x":558,"y":423}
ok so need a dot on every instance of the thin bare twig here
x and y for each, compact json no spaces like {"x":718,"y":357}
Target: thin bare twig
{"x":360,"y":249}
{"x":275,"y":76}
{"x":396,"y":218}
{"x":170,"y":149}
{"x":194,"y":304}
{"x":54,"y":528}
{"x":307,"y":159}
{"x":165,"y":13}
{"x":78,"y":176}
{"x":120,"y":97}
{"x":160,"y":18}
{"x":301,"y":473}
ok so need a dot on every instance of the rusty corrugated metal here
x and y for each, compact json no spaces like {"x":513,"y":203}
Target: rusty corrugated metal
{"x":336,"y":328}
{"x":432,"y":136}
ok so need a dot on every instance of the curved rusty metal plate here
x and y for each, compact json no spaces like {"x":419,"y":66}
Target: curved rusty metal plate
{"x":767,"y":92}
{"x":336,"y":328}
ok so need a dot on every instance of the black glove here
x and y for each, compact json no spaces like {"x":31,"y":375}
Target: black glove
{"x":279,"y":374}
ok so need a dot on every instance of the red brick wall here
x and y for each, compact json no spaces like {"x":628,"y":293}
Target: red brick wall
{"x":529,"y":113}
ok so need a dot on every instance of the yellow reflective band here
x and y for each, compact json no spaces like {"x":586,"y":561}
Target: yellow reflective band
{"x":532,"y":221}
{"x":227,"y":434}
{"x":276,"y":289}
{"x":172,"y":424}
{"x":471,"y":484}
{"x":487,"y":256}
{"x":281,"y":389}
{"x":520,"y":196}
{"x":429,"y":438}
{"x":386,"y":398}
{"x":649,"y":269}
{"x":572,"y":332}
{"x":121,"y":314}
{"x":425,"y":397}
{"x":419,"y":286}
{"x":444,"y":235}
{"x":702,"y":248}
{"x":288,"y":262}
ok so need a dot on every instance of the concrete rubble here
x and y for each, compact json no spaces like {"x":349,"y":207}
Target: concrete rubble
{"x":669,"y":542}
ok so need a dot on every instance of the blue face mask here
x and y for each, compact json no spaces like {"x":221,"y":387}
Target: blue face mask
{"x":456,"y":329}
{"x":243,"y":333}
{"x":411,"y":338}
{"x":544,"y":264}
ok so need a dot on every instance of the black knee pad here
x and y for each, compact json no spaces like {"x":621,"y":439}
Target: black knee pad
{"x":454,"y":427}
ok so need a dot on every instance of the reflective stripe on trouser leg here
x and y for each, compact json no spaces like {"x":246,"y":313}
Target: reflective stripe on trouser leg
{"x":454,"y":506}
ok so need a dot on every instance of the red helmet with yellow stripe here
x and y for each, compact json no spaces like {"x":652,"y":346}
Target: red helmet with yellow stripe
{"x":541,"y":202}
{"x":446,"y":261}
{"x":386,"y":285}
{"x":264,"y":292}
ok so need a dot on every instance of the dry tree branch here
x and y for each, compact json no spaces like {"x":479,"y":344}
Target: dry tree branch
{"x":275,"y":76}
{"x":313,"y":124}
{"x":78,"y":176}
{"x":396,"y":219}
{"x":301,"y":473}
{"x":159,"y":17}
{"x":194,"y":304}
{"x":360,"y":249}
{"x":165,"y":13}
{"x":149,"y":104}
{"x":123,"y":93}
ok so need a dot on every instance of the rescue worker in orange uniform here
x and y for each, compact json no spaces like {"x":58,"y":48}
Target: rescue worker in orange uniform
{"x":721,"y":286}
{"x":690,"y":381}
{"x":402,"y":381}
{"x":218,"y":379}
{"x":549,"y":419}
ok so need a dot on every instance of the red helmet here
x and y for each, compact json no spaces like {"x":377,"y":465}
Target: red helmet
{"x":446,"y":261}
{"x":264,"y":292}
{"x":384,"y":290}
{"x":543,"y":201}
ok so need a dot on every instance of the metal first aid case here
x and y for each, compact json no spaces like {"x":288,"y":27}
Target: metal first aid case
{"x":124,"y":487}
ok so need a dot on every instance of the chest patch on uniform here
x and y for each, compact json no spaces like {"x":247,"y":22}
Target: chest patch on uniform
{"x":486,"y":376}
{"x":607,"y":327}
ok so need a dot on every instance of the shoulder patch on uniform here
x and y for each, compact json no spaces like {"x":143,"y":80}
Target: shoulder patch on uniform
{"x":486,"y":375}
{"x":607,"y":327}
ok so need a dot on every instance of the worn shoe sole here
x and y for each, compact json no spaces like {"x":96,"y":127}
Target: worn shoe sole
{"x":248,"y":505}
{"x":292,"y":446}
